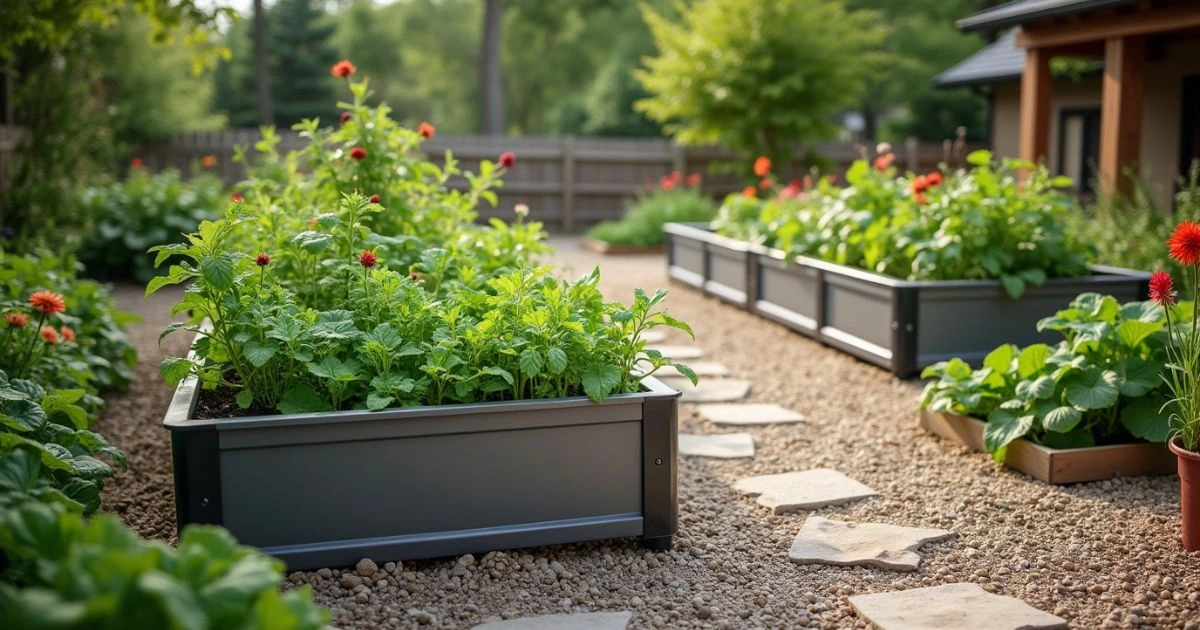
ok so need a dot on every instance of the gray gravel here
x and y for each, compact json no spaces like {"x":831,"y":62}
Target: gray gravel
{"x":1102,"y":554}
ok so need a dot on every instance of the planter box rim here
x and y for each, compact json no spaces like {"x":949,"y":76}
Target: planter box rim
{"x":702,"y":232}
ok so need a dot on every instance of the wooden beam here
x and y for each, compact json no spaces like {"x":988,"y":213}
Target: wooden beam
{"x":1121,"y":110}
{"x":1145,"y":21}
{"x":1036,"y":84}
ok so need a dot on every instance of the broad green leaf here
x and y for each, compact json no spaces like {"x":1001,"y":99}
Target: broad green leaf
{"x":531,"y":362}
{"x":600,"y":379}
{"x":377,"y":401}
{"x":218,"y":271}
{"x":1014,"y":286}
{"x":1001,"y":358}
{"x":556,"y":360}
{"x":244,"y":398}
{"x":1138,"y":376}
{"x":1146,"y":418}
{"x":302,"y":399}
{"x":1093,"y":389}
{"x":1032,"y":359}
{"x":686,"y":371}
{"x":175,"y":369}
{"x":1062,"y":419}
{"x":1133,"y":332}
{"x":502,"y":373}
{"x":1003,"y":426}
{"x":258,"y":353}
{"x":313,"y":242}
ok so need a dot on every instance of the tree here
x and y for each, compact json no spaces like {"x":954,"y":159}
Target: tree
{"x":757,"y":75}
{"x":490,"y":68}
{"x":262,"y":72}
{"x":300,"y":61}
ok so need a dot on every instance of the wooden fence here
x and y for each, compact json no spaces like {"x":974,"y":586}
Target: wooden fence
{"x":568,"y":183}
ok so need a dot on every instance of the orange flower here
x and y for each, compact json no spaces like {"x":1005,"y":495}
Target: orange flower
{"x":426,"y":129}
{"x":47,"y":303}
{"x":934,"y":178}
{"x":358,"y":153}
{"x":342,"y":69}
{"x":367,"y":259}
{"x":749,"y":192}
{"x":807,"y":182}
{"x":921,"y":198}
{"x":208,"y":162}
{"x":49,"y":335}
{"x":692,"y":180}
{"x":67,"y":334}
{"x":764,"y":183}
{"x":884,"y":162}
{"x":1185,"y":243}
{"x":918,"y":185}
{"x":16,"y":320}
{"x":762,"y":166}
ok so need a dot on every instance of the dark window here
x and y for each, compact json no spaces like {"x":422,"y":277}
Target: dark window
{"x":1079,"y":146}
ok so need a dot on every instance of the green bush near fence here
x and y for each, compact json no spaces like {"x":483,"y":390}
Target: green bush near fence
{"x":642,"y":224}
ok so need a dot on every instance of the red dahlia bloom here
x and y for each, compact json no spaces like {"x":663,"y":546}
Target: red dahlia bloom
{"x":934,"y":178}
{"x":237,"y":198}
{"x":762,"y":166}
{"x":426,"y":129}
{"x":749,"y":192}
{"x":374,"y":198}
{"x":358,"y":153}
{"x":918,"y":185}
{"x":884,"y":162}
{"x":790,"y":191}
{"x":47,"y":303}
{"x":136,"y":163}
{"x":666,"y":182}
{"x":208,"y":162}
{"x":508,"y":159}
{"x":342,"y":69}
{"x":367,"y":259}
{"x":345,"y":117}
{"x":49,"y":335}
{"x":262,"y":259}
{"x":67,"y":334}
{"x":1185,"y":243}
{"x":16,"y":320}
{"x":693,"y":180}
{"x":1162,"y":289}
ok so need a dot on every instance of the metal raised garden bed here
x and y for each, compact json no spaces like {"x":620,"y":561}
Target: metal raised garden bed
{"x":715,"y":264}
{"x":897,"y":324}
{"x":327,"y":489}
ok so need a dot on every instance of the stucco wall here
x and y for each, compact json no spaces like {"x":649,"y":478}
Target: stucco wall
{"x":1161,"y":115}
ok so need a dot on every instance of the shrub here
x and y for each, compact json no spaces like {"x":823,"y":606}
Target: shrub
{"x":131,"y":215}
{"x":641,"y":225}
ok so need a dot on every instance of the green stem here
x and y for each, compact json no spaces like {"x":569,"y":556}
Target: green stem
{"x":37,"y":332}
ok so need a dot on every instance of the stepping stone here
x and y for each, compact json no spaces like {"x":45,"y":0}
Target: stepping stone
{"x":824,"y":541}
{"x":653,"y":336}
{"x":749,"y":413}
{"x":678,"y":353}
{"x":962,"y":605}
{"x":721,"y":446}
{"x":803,"y":490}
{"x":580,"y":621}
{"x":701,"y":368}
{"x":710,"y":389}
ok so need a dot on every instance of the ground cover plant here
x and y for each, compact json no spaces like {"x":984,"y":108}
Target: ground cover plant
{"x":349,"y":274}
{"x":973,"y":224}
{"x":1099,"y":385}
{"x":676,"y":199}
{"x":129,"y":216}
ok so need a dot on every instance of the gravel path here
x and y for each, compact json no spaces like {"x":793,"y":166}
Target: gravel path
{"x":1102,"y":554}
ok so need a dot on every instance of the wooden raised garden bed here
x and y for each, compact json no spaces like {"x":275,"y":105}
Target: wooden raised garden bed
{"x":1053,"y":465}
{"x":612,"y":249}
{"x":327,"y":489}
{"x":900,"y":325}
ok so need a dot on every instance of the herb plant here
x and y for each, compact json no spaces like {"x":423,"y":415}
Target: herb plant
{"x":1099,"y":385}
{"x":1182,"y":373}
{"x":677,"y":199}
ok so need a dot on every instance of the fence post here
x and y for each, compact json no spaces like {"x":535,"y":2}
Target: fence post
{"x":568,"y":187}
{"x":912,"y":158}
{"x":678,"y":157}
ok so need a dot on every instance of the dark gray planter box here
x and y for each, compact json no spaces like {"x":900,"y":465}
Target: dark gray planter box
{"x":717,"y":265}
{"x":905,"y":325}
{"x":327,"y":489}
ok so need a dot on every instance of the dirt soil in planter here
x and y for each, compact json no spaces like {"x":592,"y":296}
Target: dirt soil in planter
{"x":1102,"y":554}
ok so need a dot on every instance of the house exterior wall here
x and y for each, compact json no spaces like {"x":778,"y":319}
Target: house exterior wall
{"x":1159,"y":160}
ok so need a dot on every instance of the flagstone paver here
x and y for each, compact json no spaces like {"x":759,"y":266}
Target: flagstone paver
{"x":961,"y":605}
{"x":710,"y":389}
{"x":803,"y":490}
{"x":679,"y":353}
{"x":880,"y":545}
{"x":748,"y":414}
{"x":701,"y":368}
{"x":653,"y":336}
{"x":721,"y":446}
{"x":577,"y":621}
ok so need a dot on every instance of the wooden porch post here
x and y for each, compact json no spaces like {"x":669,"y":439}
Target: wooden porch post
{"x":1036,"y":84}
{"x":1121,"y":110}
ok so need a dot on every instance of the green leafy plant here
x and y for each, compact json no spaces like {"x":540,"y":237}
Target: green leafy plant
{"x":131,"y":215}
{"x":670,"y":202}
{"x":1182,"y":372}
{"x":982,"y":223}
{"x":1099,"y":385}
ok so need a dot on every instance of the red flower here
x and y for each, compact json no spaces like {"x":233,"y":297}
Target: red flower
{"x":67,"y":334}
{"x":1185,"y":243}
{"x":47,"y":303}
{"x":374,"y":199}
{"x":16,"y":320}
{"x":358,"y":153}
{"x":237,"y":198}
{"x":666,"y":182}
{"x":426,"y":129}
{"x":49,"y":335}
{"x":918,"y":185}
{"x":921,"y":198}
{"x":262,"y":259}
{"x":884,"y":162}
{"x":791,"y":190}
{"x":1162,"y":290}
{"x":934,"y":178}
{"x":414,"y":276}
{"x":342,"y":69}
{"x":693,"y":180}
{"x":762,"y":166}
{"x":137,"y":164}
{"x":806,"y":183}
{"x":764,"y":183}
{"x":367,"y":259}
{"x":208,"y":162}
{"x":345,"y":117}
{"x":508,"y":159}
{"x":749,"y":192}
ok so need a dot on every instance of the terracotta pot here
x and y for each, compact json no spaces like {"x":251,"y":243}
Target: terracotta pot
{"x":1189,"y":493}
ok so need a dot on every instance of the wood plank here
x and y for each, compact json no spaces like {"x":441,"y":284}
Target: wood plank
{"x":1121,"y":111}
{"x":1036,"y":88}
{"x":1148,"y":19}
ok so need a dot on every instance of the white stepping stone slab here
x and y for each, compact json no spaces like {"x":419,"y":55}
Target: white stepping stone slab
{"x":961,"y":605}
{"x":721,"y":446}
{"x":710,"y":389}
{"x":678,"y":353}
{"x":879,"y":545}
{"x":701,"y":368}
{"x":748,"y":414}
{"x":568,"y":621}
{"x":653,"y":336}
{"x":803,"y":490}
